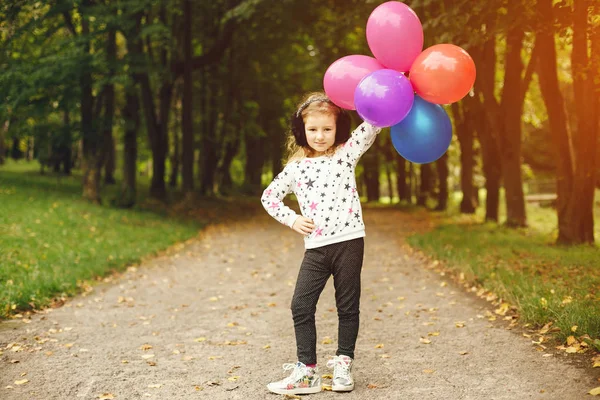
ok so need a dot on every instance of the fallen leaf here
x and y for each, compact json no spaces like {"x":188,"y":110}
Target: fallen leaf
{"x":379,"y":346}
{"x":21,"y":382}
{"x":502,"y":309}
{"x":545,"y":328}
{"x":200,"y":339}
{"x":433,"y":334}
{"x":147,"y":356}
{"x":233,"y":378}
{"x":327,"y":340}
{"x":425,"y":341}
{"x":324,"y":386}
{"x":233,"y":369}
{"x":327,"y":376}
{"x":106,"y":396}
{"x":371,"y":386}
{"x":595,"y":391}
{"x":572,"y":349}
{"x":145,"y":347}
{"x":268,"y":346}
{"x":460,"y":324}
{"x":234,"y":343}
{"x":428,"y":371}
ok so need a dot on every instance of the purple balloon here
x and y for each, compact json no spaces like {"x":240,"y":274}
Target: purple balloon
{"x":384,"y":97}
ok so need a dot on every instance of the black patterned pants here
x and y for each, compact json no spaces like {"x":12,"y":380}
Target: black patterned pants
{"x":344,"y":261}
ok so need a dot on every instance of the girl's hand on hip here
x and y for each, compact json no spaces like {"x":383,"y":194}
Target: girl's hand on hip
{"x":303,"y":225}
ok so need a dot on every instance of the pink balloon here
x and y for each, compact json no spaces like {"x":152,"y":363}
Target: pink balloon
{"x":343,"y":76}
{"x":395,"y":35}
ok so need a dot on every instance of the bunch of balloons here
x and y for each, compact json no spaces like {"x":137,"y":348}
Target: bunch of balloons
{"x":403,"y":86}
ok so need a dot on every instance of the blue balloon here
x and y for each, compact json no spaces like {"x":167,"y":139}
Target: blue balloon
{"x":424,"y":134}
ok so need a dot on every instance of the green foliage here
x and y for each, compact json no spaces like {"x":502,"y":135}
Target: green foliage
{"x":51,"y":240}
{"x":546,"y":283}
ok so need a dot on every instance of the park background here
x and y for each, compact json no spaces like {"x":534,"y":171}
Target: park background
{"x":127,"y":126}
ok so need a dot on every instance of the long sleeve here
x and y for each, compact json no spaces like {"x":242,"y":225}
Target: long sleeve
{"x":360,"y":141}
{"x":273,"y":195}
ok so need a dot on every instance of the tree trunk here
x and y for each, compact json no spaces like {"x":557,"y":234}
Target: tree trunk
{"x":210,"y":152}
{"x":176,"y":155}
{"x":464,"y":132}
{"x":3,"y":133}
{"x":580,"y":212}
{"x":557,"y":116}
{"x":109,"y":110}
{"x":370,"y":162}
{"x":512,"y":107}
{"x":254,"y":161}
{"x":225,"y":181}
{"x":426,"y":184}
{"x":390,"y":185}
{"x":595,"y":63}
{"x":92,"y":140}
{"x":412,"y":182}
{"x":486,"y":133}
{"x":443,"y":172}
{"x":132,"y":123}
{"x":491,"y":123}
{"x":187,"y":125}
{"x":401,"y":185}
{"x":67,"y":145}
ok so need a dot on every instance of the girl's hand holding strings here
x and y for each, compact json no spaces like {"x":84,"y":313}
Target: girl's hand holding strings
{"x":303,"y":225}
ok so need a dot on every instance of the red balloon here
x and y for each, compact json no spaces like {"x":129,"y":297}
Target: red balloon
{"x":443,"y":74}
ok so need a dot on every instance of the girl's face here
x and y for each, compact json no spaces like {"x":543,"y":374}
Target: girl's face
{"x":320,"y":132}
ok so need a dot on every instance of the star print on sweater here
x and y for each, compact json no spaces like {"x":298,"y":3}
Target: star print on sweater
{"x":326,"y":190}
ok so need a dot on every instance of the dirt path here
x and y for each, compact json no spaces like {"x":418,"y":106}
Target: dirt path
{"x":212,"y":321}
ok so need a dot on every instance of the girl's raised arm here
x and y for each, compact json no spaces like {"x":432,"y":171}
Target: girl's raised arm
{"x":360,"y":141}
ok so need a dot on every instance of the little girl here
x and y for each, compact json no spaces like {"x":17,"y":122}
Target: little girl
{"x":320,"y":172}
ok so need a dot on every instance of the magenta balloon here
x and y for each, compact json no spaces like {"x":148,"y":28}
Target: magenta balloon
{"x":395,"y":35}
{"x":342,"y":77}
{"x":384,"y":97}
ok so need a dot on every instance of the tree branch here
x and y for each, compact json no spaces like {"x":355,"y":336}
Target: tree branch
{"x":530,"y":69}
{"x":69,"y":22}
{"x":213,"y":55}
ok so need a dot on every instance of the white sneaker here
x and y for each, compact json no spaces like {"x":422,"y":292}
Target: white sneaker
{"x":303,"y":380}
{"x":342,"y":373}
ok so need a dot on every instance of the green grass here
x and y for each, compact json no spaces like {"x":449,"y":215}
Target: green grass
{"x":52,"y":241}
{"x":544,"y":281}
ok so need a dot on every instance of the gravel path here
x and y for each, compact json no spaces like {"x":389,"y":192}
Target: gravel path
{"x":211,"y":320}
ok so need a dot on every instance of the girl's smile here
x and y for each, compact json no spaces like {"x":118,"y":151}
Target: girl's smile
{"x":320,"y":132}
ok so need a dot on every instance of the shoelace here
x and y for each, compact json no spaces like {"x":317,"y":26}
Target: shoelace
{"x":343,"y":370}
{"x":299,"y":371}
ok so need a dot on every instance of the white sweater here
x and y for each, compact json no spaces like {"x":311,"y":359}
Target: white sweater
{"x":326,"y":190}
